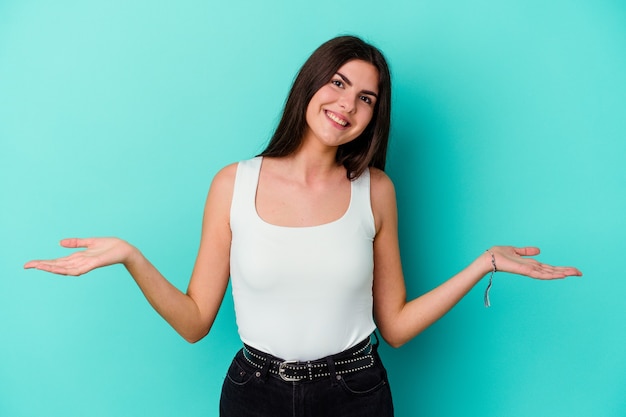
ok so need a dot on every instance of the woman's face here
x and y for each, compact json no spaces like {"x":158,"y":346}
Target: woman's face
{"x":341,"y":109}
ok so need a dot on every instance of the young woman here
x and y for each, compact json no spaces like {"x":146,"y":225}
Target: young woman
{"x":308,"y":233}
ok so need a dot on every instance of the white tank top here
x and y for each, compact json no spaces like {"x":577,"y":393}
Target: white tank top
{"x":301,"y":293}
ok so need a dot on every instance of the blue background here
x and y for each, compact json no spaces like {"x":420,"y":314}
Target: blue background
{"x":509,"y":127}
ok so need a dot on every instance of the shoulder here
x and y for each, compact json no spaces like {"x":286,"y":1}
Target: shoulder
{"x":221,"y":190}
{"x":381,"y":185}
{"x":383,"y":197}
{"x":226,"y":176}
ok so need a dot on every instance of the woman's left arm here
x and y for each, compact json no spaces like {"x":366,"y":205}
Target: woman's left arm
{"x":400,"y":320}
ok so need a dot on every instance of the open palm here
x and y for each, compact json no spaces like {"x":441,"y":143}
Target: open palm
{"x":99,"y":252}
{"x":516,"y":261}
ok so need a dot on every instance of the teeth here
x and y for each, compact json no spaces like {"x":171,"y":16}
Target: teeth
{"x":336,"y":119}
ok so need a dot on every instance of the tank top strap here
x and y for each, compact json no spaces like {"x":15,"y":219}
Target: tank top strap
{"x":244,"y":192}
{"x":361,"y":204}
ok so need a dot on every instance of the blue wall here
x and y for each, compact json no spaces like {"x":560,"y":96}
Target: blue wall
{"x":509,"y":128}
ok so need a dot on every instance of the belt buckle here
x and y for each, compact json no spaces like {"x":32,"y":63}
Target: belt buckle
{"x":281,"y":372}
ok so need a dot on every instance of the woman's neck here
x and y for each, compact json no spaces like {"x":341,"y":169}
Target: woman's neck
{"x":313,"y":160}
{"x":308,"y":166}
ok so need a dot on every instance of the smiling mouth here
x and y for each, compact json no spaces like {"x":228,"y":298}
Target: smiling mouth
{"x":332,"y":116}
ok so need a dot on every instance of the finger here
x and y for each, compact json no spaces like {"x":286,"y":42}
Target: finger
{"x":75,"y":242}
{"x":54,"y":269}
{"x":59,"y":270}
{"x":550,"y":276}
{"x":31,"y":264}
{"x":527,"y":251}
{"x":41,"y":265}
{"x":39,"y":262}
{"x":539,"y":271}
{"x":65,"y":266}
{"x":570,"y":271}
{"x":544,"y":271}
{"x":66,"y":261}
{"x":562,"y":270}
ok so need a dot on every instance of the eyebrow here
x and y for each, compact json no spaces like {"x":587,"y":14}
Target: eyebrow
{"x":347,"y":81}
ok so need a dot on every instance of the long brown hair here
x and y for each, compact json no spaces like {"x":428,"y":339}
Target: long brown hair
{"x":370,"y":148}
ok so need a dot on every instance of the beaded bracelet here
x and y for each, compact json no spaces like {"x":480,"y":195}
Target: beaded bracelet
{"x":493,"y":264}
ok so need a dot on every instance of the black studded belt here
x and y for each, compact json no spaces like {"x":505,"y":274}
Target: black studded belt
{"x":353,"y":360}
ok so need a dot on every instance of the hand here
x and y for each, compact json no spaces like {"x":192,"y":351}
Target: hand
{"x":100,"y":252}
{"x":510,"y":259}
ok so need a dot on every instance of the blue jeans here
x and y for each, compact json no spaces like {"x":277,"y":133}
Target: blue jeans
{"x":248,"y":392}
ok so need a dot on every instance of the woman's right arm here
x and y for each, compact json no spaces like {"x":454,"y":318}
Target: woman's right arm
{"x":191,"y":314}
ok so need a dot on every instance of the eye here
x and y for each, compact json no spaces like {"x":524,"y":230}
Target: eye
{"x":366,"y":99}
{"x":337,"y":83}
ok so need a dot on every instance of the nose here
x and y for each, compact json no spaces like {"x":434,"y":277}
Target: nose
{"x":347,"y":102}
